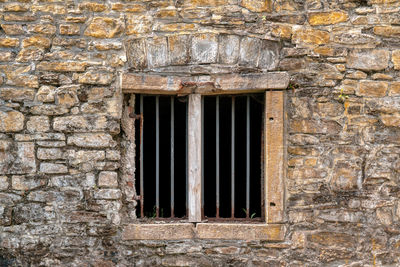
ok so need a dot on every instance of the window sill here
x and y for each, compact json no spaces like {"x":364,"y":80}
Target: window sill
{"x":230,"y":231}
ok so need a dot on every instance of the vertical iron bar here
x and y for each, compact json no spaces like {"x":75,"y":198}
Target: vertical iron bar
{"x":202,"y":157}
{"x":233,"y":158}
{"x":217,"y":152}
{"x":157,"y":156}
{"x":186,"y":161}
{"x":141,"y":158}
{"x":172,"y":158}
{"x":247,"y":157}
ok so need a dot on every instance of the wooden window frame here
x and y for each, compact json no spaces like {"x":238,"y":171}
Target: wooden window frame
{"x":273,"y":85}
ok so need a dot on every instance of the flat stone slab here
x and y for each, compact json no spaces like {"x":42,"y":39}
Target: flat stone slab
{"x":229,"y":231}
{"x":207,"y":84}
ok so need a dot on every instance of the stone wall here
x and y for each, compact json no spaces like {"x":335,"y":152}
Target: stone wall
{"x":63,"y":198}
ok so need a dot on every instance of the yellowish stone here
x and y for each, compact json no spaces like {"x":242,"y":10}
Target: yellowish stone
{"x":396,"y":59}
{"x":62,"y":66}
{"x":257,"y":5}
{"x":12,"y":121}
{"x":373,"y":88}
{"x":9,"y":42}
{"x":37,"y":41}
{"x":387,"y":31}
{"x":103,"y":27}
{"x":327,"y":18}
{"x":310,"y":36}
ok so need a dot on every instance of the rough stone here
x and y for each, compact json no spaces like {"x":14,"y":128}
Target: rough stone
{"x":50,"y":153}
{"x":396,"y":59}
{"x":228,"y":49}
{"x":102,"y":78}
{"x":24,"y":183}
{"x":11,"y":121}
{"x":53,"y":168}
{"x":9,"y":42}
{"x":204,"y":48}
{"x":3,"y":183}
{"x":38,"y":124}
{"x":327,"y":18}
{"x":94,"y":140}
{"x":17,"y":94}
{"x":368,"y":60}
{"x":178,"y":49}
{"x":373,"y":89}
{"x":108,"y":179}
{"x":104,"y":27}
{"x":310,"y":36}
{"x":62,"y":66}
{"x":257,"y":5}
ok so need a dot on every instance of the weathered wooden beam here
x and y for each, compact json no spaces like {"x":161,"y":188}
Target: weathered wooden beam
{"x":274,"y":156}
{"x":194,"y":157}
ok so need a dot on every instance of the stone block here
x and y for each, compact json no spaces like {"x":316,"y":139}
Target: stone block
{"x":47,"y":109}
{"x":85,"y":156}
{"x":391,"y":120}
{"x":178,"y":49}
{"x":269,"y":55}
{"x":387,"y":31}
{"x":45,"y":93}
{"x":332,"y":239}
{"x":156,"y":51}
{"x":9,"y":42}
{"x":257,"y":5}
{"x":93,"y":77}
{"x":396,"y":59}
{"x":113,"y":155}
{"x":136,"y":53}
{"x":314,"y":126}
{"x":24,"y":183}
{"x":92,"y":6}
{"x":11,"y":121}
{"x":108,"y":179}
{"x":94,"y":140}
{"x":79,"y":123}
{"x":55,"y":9}
{"x":6,"y":56}
{"x":50,"y":153}
{"x":109,"y":194}
{"x":62,"y":66}
{"x":53,"y":168}
{"x":282,"y":31}
{"x":30,"y":54}
{"x":373,"y":88}
{"x":368,"y":60}
{"x":38,"y":124}
{"x":12,"y":29}
{"x":228,"y":48}
{"x":158,"y":231}
{"x":24,"y":159}
{"x":70,"y":29}
{"x":17,"y":94}
{"x":43,"y":29}
{"x":394,"y":89}
{"x":204,"y":48}
{"x":104,"y":27}
{"x":36,"y":41}
{"x":249,"y":51}
{"x":345,"y":176}
{"x":139,"y":24}
{"x":310,"y":36}
{"x":327,"y":18}
{"x":3,"y":180}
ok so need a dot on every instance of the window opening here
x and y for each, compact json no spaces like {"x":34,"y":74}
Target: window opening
{"x":232,"y":157}
{"x":161,"y":161}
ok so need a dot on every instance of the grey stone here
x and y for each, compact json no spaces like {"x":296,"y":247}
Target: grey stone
{"x":136,"y":53}
{"x":53,"y":168}
{"x":156,"y":52}
{"x":228,"y":48}
{"x":368,"y":60}
{"x":24,"y":161}
{"x":50,"y":153}
{"x":204,"y":48}
{"x":269,"y":55}
{"x":249,"y":51}
{"x":108,"y":194}
{"x":95,"y":140}
{"x":178,"y":49}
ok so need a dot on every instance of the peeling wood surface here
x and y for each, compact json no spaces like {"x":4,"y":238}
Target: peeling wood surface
{"x":206,"y":84}
{"x":274,"y":156}
{"x":194,"y":157}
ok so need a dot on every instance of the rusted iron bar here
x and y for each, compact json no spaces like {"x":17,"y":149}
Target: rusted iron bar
{"x":157,"y":156}
{"x":141,"y":159}
{"x":186,"y":160}
{"x":172,"y":157}
{"x":202,"y":157}
{"x":247,"y":156}
{"x":217,"y":153}
{"x":233,"y":158}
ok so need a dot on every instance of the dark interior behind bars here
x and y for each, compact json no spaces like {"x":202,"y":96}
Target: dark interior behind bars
{"x":172,"y":152}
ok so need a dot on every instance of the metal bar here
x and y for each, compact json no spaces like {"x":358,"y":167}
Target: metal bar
{"x":157,"y":156}
{"x":202,"y":157}
{"x":141,"y":159}
{"x":217,"y":152}
{"x":186,"y":160}
{"x":233,"y":158}
{"x":247,"y":156}
{"x":172,"y":157}
{"x":194,"y":157}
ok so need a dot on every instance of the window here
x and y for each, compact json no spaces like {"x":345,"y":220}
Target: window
{"x":193,"y":101}
{"x":231,"y":159}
